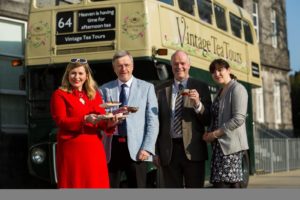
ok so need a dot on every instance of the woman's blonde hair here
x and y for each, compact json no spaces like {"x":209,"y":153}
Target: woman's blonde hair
{"x":90,"y":86}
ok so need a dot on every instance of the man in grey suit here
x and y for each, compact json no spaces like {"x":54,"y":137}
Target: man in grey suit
{"x":134,"y":141}
{"x":181,"y":152}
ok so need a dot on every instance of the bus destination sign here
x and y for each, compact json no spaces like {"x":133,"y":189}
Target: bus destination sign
{"x":85,"y":37}
{"x":96,"y":19}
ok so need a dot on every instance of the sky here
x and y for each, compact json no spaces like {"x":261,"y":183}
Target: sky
{"x":293,"y":29}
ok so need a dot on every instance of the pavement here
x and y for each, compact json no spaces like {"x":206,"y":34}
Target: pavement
{"x":286,"y":179}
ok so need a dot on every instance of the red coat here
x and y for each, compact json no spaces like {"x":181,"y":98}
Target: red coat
{"x":80,"y":156}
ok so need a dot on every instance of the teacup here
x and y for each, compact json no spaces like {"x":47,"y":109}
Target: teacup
{"x":185,"y":92}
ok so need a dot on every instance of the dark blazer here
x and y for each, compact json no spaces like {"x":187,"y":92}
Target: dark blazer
{"x":193,"y":124}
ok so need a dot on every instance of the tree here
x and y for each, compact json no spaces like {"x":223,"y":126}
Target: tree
{"x":295,"y":96}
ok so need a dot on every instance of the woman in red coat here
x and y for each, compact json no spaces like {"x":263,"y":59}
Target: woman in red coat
{"x":75,"y":107}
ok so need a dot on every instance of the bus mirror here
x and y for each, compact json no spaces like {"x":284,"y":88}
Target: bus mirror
{"x":162,"y":72}
{"x":16,"y":63}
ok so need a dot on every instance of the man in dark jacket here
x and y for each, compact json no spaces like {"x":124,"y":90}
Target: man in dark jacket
{"x":184,"y":111}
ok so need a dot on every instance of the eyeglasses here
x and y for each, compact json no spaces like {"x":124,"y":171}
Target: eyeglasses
{"x":79,"y":60}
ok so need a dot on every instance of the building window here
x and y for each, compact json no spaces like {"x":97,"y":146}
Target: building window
{"x":274,"y":28}
{"x":277,"y":103}
{"x":260,"y":114}
{"x":255,"y":19}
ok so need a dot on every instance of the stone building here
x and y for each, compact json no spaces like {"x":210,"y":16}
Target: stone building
{"x":272,"y":102}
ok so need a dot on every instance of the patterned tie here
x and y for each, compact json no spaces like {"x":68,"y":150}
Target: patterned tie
{"x":122,"y":127}
{"x":178,"y":112}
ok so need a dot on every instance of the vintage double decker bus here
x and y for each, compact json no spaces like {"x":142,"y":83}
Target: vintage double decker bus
{"x":151,"y":30}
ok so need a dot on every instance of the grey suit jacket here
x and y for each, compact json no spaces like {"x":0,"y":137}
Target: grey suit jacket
{"x":193,"y":124}
{"x":232,"y":116}
{"x":142,"y":126}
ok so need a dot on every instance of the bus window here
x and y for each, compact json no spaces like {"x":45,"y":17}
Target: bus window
{"x":235,"y":25}
{"x":220,"y":17}
{"x":170,"y":2}
{"x":205,"y":10}
{"x":50,"y":3}
{"x":187,"y":6}
{"x":247,"y":32}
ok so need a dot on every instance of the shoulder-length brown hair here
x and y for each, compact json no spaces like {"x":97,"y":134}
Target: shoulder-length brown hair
{"x":217,"y":63}
{"x":90,"y":86}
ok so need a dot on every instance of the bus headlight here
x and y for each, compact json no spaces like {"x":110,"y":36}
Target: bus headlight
{"x":38,"y":155}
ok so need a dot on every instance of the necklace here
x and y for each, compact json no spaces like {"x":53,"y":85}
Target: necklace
{"x":81,"y":98}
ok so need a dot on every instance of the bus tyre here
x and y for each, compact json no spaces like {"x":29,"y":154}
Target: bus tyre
{"x":246,"y":169}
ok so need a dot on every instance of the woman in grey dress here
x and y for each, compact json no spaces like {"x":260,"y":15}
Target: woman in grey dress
{"x":227,"y":132}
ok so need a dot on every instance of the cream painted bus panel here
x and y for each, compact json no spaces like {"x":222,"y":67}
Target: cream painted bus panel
{"x":134,"y":25}
{"x":205,"y":43}
{"x":39,"y":36}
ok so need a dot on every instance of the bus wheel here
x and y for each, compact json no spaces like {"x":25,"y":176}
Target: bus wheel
{"x":246,"y":169}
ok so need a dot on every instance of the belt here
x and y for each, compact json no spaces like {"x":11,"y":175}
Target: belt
{"x":120,"y":139}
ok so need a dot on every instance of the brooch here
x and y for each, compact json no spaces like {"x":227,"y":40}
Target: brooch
{"x":81,"y":100}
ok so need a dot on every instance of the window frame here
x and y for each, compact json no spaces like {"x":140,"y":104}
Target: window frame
{"x":277,"y":102}
{"x":259,"y":99}
{"x":248,"y":36}
{"x":207,"y":15}
{"x":235,"y":18}
{"x":190,"y":6}
{"x":274,"y":28}
{"x":221,"y":21}
{"x":255,"y":18}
